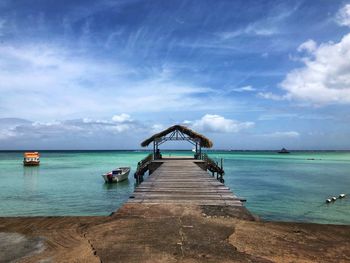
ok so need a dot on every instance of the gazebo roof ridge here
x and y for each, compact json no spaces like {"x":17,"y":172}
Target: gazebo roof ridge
{"x":195,"y":136}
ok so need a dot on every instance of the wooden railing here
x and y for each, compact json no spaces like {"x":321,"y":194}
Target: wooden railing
{"x":214,"y":167}
{"x":142,"y":167}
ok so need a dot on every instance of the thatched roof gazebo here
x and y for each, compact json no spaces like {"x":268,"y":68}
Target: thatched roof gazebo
{"x":179,"y":133}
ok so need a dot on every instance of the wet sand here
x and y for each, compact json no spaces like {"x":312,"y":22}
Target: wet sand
{"x":170,"y":233}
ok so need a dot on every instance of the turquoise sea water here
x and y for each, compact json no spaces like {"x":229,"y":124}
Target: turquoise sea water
{"x":291,"y":187}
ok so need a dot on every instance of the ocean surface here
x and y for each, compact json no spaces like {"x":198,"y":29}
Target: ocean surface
{"x":283,"y":187}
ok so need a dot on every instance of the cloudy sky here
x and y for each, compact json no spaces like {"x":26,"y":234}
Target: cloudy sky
{"x":106,"y":74}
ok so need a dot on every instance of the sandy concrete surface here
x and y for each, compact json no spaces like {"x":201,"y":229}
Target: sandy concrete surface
{"x":10,"y":242}
{"x":293,"y":242}
{"x":170,"y":233}
{"x":63,"y":239}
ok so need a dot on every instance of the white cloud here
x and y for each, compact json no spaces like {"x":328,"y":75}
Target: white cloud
{"x":244,"y":89}
{"x":76,"y":84}
{"x":219,"y":124}
{"x":121,"y":128}
{"x":267,"y":26}
{"x":6,"y":134}
{"x":57,"y":130}
{"x":272,"y":96}
{"x":343,"y":16}
{"x":274,"y":116}
{"x":157,"y":128}
{"x":325,"y":77}
{"x":303,"y":116}
{"x":278,"y":134}
{"x":308,"y":46}
{"x":62,"y":83}
{"x":8,"y":127}
{"x":251,"y":29}
{"x":121,"y":118}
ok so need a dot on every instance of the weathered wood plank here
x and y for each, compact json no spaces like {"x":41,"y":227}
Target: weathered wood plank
{"x":194,"y":202}
{"x":182,"y":191}
{"x":181,"y":194}
{"x":183,"y":182}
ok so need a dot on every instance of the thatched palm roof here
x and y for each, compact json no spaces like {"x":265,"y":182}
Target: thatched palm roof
{"x":204,"y":141}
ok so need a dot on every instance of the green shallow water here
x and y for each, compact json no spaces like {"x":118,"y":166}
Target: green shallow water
{"x":291,"y":187}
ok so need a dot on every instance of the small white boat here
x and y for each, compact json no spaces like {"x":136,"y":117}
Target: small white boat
{"x":117,"y":175}
{"x":334,"y":199}
{"x":342,"y":196}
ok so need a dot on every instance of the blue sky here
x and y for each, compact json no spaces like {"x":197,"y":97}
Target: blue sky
{"x":107,"y":74}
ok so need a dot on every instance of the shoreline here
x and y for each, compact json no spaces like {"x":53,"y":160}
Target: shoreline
{"x":168,"y":233}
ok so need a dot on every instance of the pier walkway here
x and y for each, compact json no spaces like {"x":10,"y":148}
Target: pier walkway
{"x":181,"y":180}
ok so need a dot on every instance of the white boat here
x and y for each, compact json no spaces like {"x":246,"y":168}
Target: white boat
{"x":117,"y":175}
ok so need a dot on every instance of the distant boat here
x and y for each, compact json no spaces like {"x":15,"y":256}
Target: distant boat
{"x":283,"y":150}
{"x":31,"y":159}
{"x":117,"y":175}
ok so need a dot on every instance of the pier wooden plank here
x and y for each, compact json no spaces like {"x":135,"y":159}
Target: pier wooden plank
{"x":187,"y":196}
{"x":182,"y":191}
{"x":182,"y":181}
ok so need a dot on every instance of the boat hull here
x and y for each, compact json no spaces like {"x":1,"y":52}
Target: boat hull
{"x":116,"y":178}
{"x":31,"y":163}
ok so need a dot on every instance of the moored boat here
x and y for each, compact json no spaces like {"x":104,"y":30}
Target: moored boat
{"x":117,"y":175}
{"x":283,"y":150}
{"x":31,"y":159}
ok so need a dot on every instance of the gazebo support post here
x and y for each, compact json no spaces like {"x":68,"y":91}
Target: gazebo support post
{"x":196,"y":154}
{"x":154,"y":150}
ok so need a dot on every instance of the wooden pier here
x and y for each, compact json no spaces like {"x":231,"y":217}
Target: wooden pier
{"x":182,"y":180}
